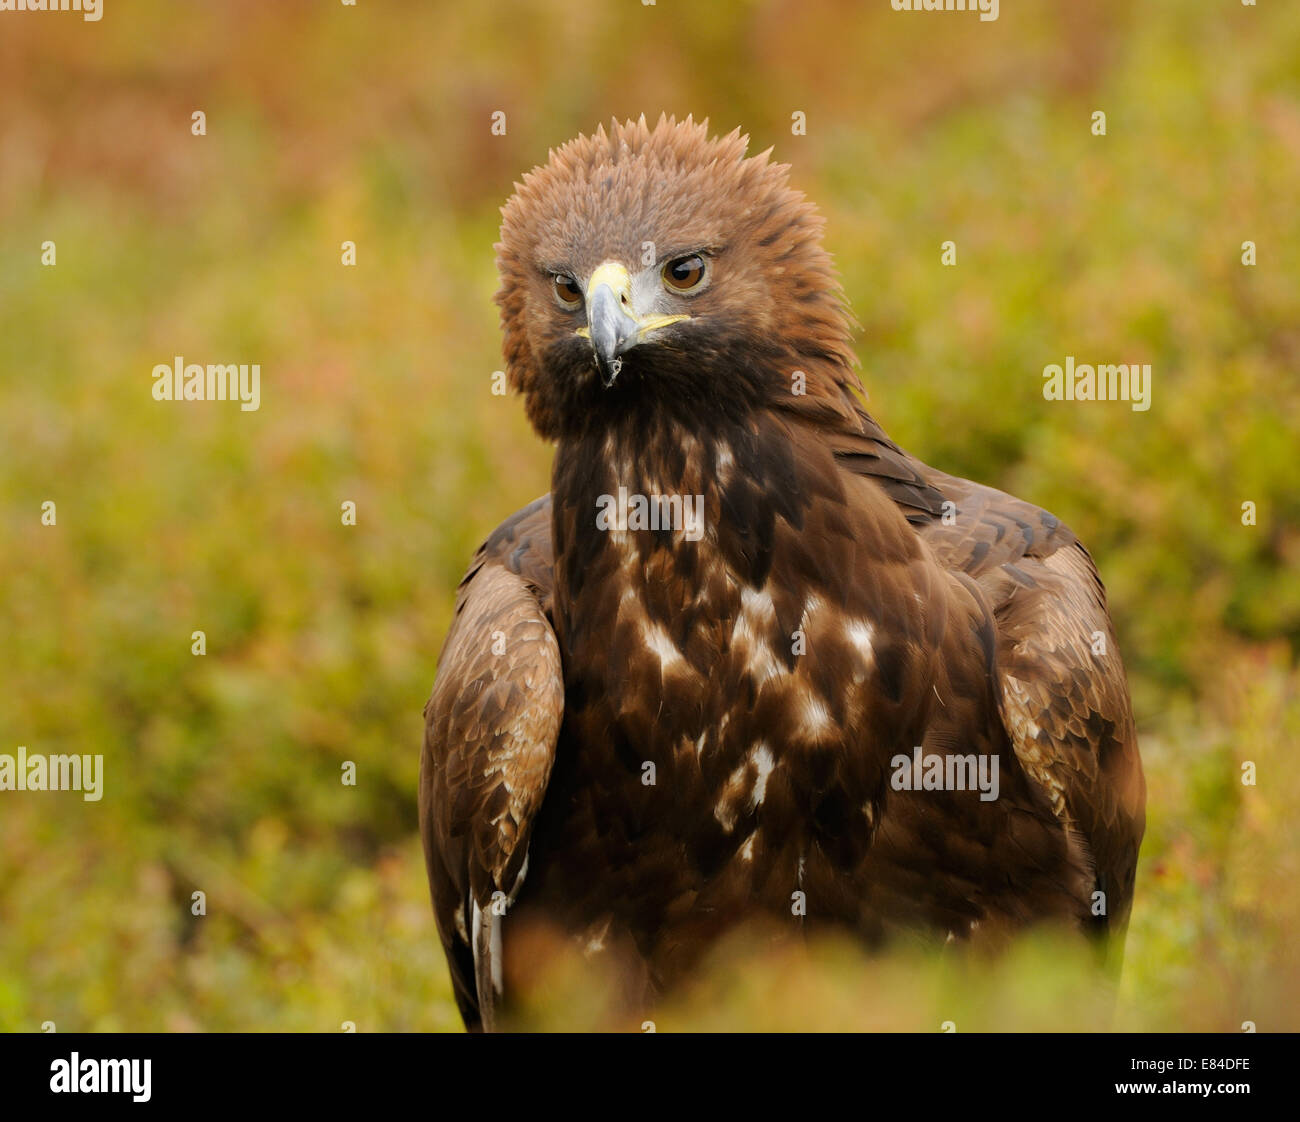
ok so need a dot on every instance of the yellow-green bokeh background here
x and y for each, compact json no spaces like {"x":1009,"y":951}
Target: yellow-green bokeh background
{"x":370,"y":123}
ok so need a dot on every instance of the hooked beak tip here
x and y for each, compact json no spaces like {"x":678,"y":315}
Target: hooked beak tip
{"x":609,"y":371}
{"x":612,"y":331}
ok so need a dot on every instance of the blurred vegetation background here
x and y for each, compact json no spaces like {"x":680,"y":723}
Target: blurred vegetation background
{"x":371,"y":123}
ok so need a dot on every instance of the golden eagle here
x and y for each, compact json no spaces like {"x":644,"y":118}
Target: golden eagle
{"x":748,"y":657}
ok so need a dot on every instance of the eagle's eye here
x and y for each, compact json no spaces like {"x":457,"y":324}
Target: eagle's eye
{"x":684,"y":273}
{"x":567,"y":291}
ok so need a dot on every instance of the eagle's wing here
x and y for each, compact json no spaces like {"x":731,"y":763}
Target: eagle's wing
{"x":491,"y":727}
{"x":1063,"y":692}
{"x":1062,"y":689}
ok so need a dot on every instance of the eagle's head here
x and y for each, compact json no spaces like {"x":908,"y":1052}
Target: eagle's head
{"x":651,"y":273}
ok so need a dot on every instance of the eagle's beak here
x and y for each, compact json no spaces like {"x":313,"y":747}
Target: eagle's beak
{"x":610,"y":320}
{"x":612,"y":323}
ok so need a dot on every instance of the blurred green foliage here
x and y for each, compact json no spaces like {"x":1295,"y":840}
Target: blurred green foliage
{"x":371,"y":123}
